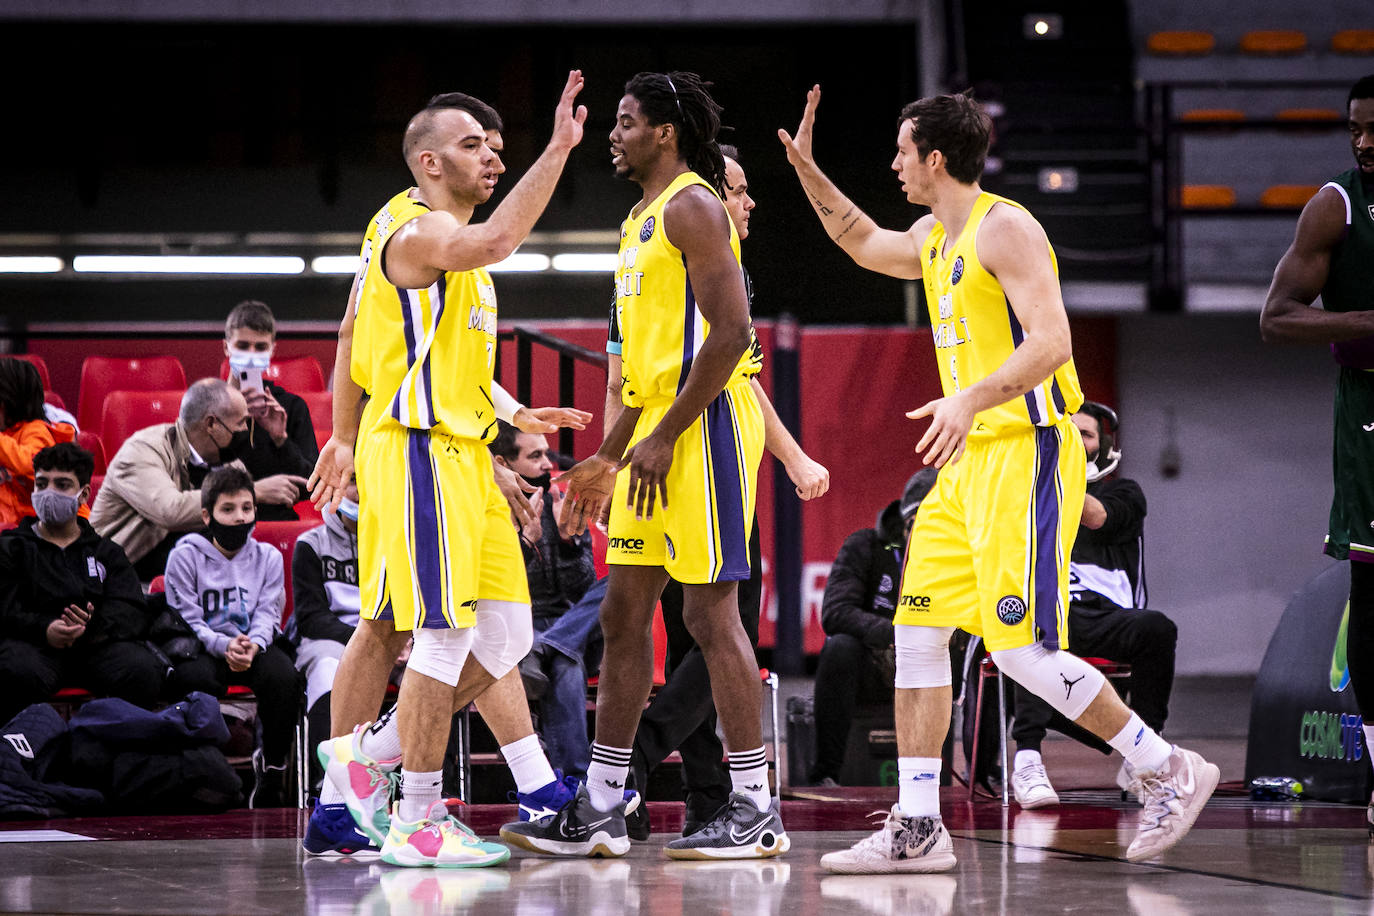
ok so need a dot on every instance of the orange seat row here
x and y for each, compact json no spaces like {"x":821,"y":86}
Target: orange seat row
{"x":1223,"y":197}
{"x":1262,"y":42}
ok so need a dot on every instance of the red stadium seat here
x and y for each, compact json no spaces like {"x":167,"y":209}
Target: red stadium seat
{"x":53,"y":398}
{"x":298,"y":374}
{"x":91,"y":443}
{"x":96,"y":481}
{"x":39,"y":363}
{"x":282,"y":535}
{"x":158,"y":585}
{"x":321,"y":437}
{"x":1273,"y":42}
{"x":321,"y":404}
{"x":126,"y":412}
{"x":101,"y":375}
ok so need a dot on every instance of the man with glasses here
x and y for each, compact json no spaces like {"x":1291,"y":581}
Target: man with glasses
{"x":151,"y":493}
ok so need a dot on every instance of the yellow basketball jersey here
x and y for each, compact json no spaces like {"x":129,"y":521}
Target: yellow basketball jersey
{"x":662,"y":329}
{"x":424,"y":356}
{"x":975,"y":329}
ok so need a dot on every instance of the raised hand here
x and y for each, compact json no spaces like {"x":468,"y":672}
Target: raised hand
{"x":541,"y":420}
{"x":567,"y":121}
{"x":590,"y":484}
{"x":799,"y":147}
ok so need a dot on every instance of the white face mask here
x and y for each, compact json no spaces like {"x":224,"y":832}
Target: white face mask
{"x":240,"y":361}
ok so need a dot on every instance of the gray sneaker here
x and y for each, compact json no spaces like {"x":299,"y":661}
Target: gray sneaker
{"x":738,"y":831}
{"x":578,"y":829}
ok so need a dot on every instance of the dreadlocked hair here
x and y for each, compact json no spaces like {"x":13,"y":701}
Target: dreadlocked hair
{"x":684,"y":100}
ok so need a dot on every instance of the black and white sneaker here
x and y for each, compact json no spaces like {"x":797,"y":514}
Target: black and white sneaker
{"x":578,"y":829}
{"x":738,"y":831}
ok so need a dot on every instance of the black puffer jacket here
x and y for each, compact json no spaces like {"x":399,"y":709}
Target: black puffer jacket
{"x":865,"y":582}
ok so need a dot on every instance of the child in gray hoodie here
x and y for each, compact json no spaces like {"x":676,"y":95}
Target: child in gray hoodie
{"x":230,"y":589}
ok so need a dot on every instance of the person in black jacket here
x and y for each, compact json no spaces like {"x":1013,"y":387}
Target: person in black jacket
{"x":72,"y":611}
{"x":279,"y":448}
{"x":560,"y":571}
{"x":1107,"y":615}
{"x":857,"y":664}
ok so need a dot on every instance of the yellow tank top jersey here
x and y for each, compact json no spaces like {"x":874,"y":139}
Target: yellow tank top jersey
{"x":424,"y":356}
{"x":975,"y":329}
{"x":661,"y":327}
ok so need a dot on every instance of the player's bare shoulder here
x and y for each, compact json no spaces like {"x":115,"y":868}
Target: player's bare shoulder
{"x":695,"y":213}
{"x":1009,"y":234}
{"x":1323,"y":221}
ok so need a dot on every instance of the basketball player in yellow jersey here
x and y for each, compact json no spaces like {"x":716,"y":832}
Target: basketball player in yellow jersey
{"x":436,"y":546}
{"x":686,"y":502}
{"x":990,"y":546}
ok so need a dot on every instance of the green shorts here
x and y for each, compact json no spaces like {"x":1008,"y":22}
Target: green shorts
{"x":1351,"y":532}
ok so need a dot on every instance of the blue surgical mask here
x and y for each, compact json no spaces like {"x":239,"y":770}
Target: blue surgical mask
{"x":348,"y":509}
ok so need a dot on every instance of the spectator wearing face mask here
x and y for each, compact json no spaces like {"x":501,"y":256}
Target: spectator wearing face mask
{"x":71,"y":609}
{"x":280,"y":440}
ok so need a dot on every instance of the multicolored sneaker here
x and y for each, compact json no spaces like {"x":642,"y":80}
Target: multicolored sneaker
{"x":576,"y":829}
{"x":332,"y":834}
{"x":1173,"y":798}
{"x":367,"y":785}
{"x":738,"y":831}
{"x":903,"y":844}
{"x":440,"y":840}
{"x":547,"y":800}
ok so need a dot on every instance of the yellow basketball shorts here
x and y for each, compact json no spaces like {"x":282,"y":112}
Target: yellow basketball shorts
{"x":702,"y":534}
{"x":989,"y":550}
{"x":435,"y":535}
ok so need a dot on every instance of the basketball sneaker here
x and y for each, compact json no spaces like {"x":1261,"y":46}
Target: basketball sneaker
{"x":576,"y":829}
{"x":738,"y":831}
{"x":1173,"y":798}
{"x":546,"y":800}
{"x":332,"y":834}
{"x":367,"y":785}
{"x":903,"y":844}
{"x":1031,"y":786}
{"x":441,"y":840}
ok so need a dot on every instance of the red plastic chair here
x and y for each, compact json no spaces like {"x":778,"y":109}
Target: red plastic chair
{"x":96,"y":481}
{"x":101,"y":375}
{"x":298,"y":374}
{"x":53,"y":398}
{"x":39,"y":363}
{"x":321,"y":404}
{"x":282,"y":535}
{"x":91,"y":443}
{"x":126,"y":412}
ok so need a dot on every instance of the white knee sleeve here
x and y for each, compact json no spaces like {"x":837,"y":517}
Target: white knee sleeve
{"x":923,"y":656}
{"x":1061,"y":679}
{"x":503,"y":635}
{"x":440,"y":654}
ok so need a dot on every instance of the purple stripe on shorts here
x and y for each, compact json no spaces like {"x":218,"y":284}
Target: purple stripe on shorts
{"x":1046,"y":572}
{"x":725,"y":484}
{"x":424,"y":527}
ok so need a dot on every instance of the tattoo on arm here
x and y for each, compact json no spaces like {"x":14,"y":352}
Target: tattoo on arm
{"x":824,"y":210}
{"x":851,"y":224}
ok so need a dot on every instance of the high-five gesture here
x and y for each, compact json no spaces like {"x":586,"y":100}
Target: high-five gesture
{"x":567,"y":121}
{"x":799,"y":147}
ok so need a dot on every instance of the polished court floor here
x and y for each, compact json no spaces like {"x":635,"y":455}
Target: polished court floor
{"x":1245,"y":857}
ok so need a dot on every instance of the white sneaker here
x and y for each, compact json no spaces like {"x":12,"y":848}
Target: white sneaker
{"x":933,"y":896}
{"x":1173,"y":798}
{"x":1128,"y":781}
{"x":1031,"y":786}
{"x":1369,"y":817}
{"x":903,"y":844}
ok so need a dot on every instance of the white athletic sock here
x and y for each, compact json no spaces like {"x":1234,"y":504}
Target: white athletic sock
{"x":330,"y":794}
{"x":606,"y":776}
{"x":1025,"y":759}
{"x":1141,"y":746}
{"x":749,"y":776}
{"x":918,"y":786}
{"x":1369,"y":741}
{"x":382,"y":740}
{"x":527,"y":764}
{"x":419,"y":791}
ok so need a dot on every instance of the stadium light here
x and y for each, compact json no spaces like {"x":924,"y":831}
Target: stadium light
{"x":586,"y":262}
{"x":1042,"y":26}
{"x":521,"y":262}
{"x":187,"y":264}
{"x":29,"y":265}
{"x":335,"y":264}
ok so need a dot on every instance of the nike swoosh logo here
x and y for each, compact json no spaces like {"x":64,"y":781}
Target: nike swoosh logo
{"x":751,"y":834}
{"x":1369,"y":427}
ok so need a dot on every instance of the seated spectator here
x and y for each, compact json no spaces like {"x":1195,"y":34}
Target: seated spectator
{"x":1107,"y":616}
{"x":857,"y":663}
{"x":230,"y":589}
{"x":71,"y":609}
{"x":151,"y":493}
{"x":324,"y":586}
{"x":560,"y":571}
{"x":281,"y":436}
{"x":24,"y":431}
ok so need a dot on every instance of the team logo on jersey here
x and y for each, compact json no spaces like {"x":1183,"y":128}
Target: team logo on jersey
{"x":672,"y":552}
{"x":932,"y":253}
{"x":958,"y":271}
{"x":1011,"y":610}
{"x":646,"y":231}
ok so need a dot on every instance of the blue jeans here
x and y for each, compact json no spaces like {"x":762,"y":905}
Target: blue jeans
{"x":567,"y":646}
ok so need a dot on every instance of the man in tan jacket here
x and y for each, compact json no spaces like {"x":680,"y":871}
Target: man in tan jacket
{"x":151,"y":493}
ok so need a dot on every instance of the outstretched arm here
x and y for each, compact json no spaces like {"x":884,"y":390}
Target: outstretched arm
{"x":1014,"y":249}
{"x":810,"y":477}
{"x":1288,"y":314}
{"x":882,"y":250}
{"x":438,"y":241}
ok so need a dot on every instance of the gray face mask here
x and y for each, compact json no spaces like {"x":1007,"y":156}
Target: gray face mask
{"x":55,"y":508}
